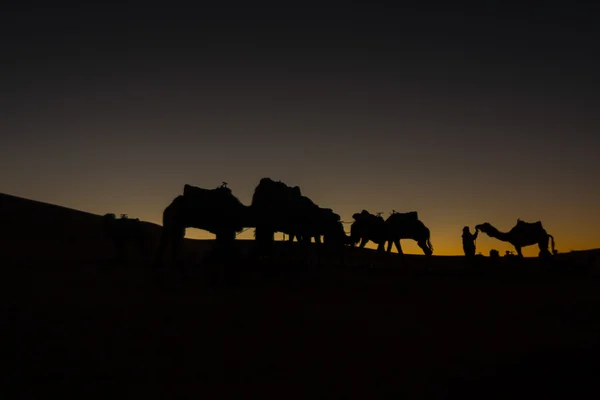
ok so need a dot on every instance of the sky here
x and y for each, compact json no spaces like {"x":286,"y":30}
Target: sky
{"x":464,"y":113}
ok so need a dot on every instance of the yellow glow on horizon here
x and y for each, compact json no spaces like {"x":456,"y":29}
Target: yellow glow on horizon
{"x":575,"y":231}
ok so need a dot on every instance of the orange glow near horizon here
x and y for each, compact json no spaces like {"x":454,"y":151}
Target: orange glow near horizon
{"x":570,"y":233}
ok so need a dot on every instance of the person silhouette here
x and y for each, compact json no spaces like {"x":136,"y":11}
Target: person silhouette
{"x":468,"y":240}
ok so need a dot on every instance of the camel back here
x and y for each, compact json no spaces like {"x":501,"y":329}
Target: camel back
{"x":528,"y":226}
{"x":407,"y":217}
{"x":366,"y":217}
{"x":537,"y":224}
{"x":270,"y":193}
{"x":209,"y":196}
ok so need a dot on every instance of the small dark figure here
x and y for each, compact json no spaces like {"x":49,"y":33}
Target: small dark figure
{"x":122,"y":231}
{"x":494,"y":254}
{"x":468,"y":240}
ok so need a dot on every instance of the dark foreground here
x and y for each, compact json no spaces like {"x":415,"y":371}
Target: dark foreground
{"x":98,"y":330}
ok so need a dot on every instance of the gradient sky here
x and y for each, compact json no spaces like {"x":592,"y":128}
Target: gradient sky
{"x":464,"y":114}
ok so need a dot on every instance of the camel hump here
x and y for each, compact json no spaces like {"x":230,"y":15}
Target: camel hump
{"x":266,"y":181}
{"x":536,"y":224}
{"x":206,"y":195}
{"x":193,"y":191}
{"x":411,"y":216}
{"x":278,"y":194}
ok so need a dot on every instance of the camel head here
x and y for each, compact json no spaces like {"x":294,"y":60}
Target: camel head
{"x":327,"y":215}
{"x":361,"y":215}
{"x":486,"y":227}
{"x":335,"y":234}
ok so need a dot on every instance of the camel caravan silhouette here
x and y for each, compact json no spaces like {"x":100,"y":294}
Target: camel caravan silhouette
{"x":276,"y":207}
{"x":368,"y":227}
{"x":521,"y":235}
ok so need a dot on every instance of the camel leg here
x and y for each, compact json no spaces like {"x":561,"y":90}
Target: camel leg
{"x":306,"y":241}
{"x":362,"y":243}
{"x":399,"y":248}
{"x":225,"y":246}
{"x":519,"y":252}
{"x":423,"y":245}
{"x":176,"y":244}
{"x":264,"y":238}
{"x":164,"y":239}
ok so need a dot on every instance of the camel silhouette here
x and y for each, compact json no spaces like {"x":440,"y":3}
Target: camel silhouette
{"x":368,"y":227}
{"x":323,"y":222}
{"x":278,"y":207}
{"x":521,"y":235}
{"x":215,"y":210}
{"x":318,"y":222}
{"x":122,"y":231}
{"x":397,"y":226}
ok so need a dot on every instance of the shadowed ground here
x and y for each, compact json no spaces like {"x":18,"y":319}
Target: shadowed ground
{"x":93,"y":328}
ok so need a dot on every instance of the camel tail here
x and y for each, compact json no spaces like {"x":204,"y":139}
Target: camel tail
{"x":429,"y":239}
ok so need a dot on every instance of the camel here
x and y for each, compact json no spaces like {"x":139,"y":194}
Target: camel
{"x":326,"y":223}
{"x":368,"y":227}
{"x":408,"y":226}
{"x":278,"y":207}
{"x":215,"y":210}
{"x":397,"y":226}
{"x":521,"y":235}
{"x":123,"y":230}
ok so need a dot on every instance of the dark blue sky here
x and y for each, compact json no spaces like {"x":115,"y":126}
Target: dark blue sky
{"x":463,"y":113}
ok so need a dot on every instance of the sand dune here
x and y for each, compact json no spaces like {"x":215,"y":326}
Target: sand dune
{"x":79,"y":326}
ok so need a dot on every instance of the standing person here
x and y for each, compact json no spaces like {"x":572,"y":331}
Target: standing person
{"x":468,"y":240}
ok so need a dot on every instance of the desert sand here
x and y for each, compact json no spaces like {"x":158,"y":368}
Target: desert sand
{"x":81,"y":324}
